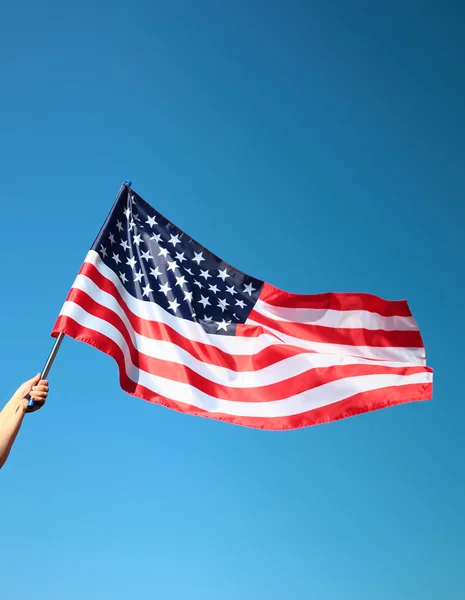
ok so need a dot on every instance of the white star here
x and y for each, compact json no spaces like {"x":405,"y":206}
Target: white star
{"x":189,"y":271}
{"x":213,"y":288}
{"x":116,"y":258}
{"x":156,"y":237}
{"x":138,"y":276}
{"x":146,"y":255}
{"x":222,"y":304}
{"x":132,"y":225}
{"x":174,"y":305}
{"x":180,"y":257}
{"x":223,"y":325}
{"x":222,"y":274}
{"x":136,"y":216}
{"x":198,"y":258}
{"x":248,"y":289}
{"x":205,"y":274}
{"x":127,"y":212}
{"x":131,"y":262}
{"x":146,"y":290}
{"x":240,"y":303}
{"x":124,"y":245}
{"x":205,"y":301}
{"x":151,"y":221}
{"x":155,"y":272}
{"x":163,"y":252}
{"x":165,"y":288}
{"x":231,"y":290}
{"x":180,"y":280}
{"x":172,"y":265}
{"x":198,"y":283}
{"x":137,"y":239}
{"x":123,"y":277}
{"x":103,"y":250}
{"x":174,"y":239}
{"x":208,"y":319}
{"x":119,"y":225}
{"x":188,"y":296}
{"x":111,"y":237}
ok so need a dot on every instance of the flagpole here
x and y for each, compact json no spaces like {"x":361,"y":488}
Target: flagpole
{"x":48,"y":365}
{"x":56,"y":346}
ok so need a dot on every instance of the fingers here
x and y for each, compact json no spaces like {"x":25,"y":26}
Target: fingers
{"x":39,"y":392}
{"x":39,"y":396}
{"x":42,"y":384}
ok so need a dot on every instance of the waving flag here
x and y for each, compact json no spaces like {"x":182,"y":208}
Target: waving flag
{"x":193,"y":333}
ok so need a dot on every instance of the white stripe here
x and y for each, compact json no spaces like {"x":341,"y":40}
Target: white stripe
{"x":165,"y":350}
{"x":182,"y":392}
{"x":190,"y":330}
{"x":347,"y":319}
{"x":246,"y":346}
{"x":411,"y":356}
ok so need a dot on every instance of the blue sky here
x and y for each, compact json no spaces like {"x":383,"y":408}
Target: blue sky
{"x":316,"y":145}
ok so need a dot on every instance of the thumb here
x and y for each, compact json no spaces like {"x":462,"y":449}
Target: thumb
{"x":35,"y":380}
{"x":28,"y":385}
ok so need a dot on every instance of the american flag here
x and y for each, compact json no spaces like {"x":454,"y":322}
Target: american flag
{"x":192,"y":333}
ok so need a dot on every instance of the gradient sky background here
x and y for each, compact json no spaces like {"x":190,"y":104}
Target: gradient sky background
{"x":317,"y":145}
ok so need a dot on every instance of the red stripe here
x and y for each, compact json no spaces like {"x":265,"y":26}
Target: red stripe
{"x":341,"y":335}
{"x":205,"y":352}
{"x":354,"y":405}
{"x":290,"y":386}
{"x":335,"y":301}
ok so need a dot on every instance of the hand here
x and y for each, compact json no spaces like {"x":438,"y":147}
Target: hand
{"x":37,"y":389}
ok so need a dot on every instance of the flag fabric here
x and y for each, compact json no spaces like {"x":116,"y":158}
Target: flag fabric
{"x":192,"y":333}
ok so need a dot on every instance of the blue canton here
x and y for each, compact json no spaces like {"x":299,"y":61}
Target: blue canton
{"x":158,"y":262}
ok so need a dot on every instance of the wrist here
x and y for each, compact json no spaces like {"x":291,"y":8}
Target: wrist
{"x":18,"y":404}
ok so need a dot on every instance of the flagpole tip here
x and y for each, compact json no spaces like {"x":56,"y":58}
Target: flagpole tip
{"x":128,"y":182}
